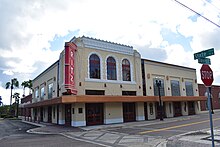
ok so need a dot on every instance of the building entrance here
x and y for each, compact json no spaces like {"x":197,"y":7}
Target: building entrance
{"x":49,"y":114}
{"x":68,"y":114}
{"x":94,"y":114}
{"x":191,"y":108}
{"x":129,"y":112}
{"x":177,"y":109}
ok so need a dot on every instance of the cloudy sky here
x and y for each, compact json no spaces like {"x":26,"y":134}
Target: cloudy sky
{"x":33,"y":32}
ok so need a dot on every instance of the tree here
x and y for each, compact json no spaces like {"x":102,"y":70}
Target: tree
{"x":30,"y":85}
{"x":24,"y":84}
{"x":12,"y":84}
{"x":16,"y":96}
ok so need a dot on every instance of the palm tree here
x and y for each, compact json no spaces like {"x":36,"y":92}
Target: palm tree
{"x":12,"y":84}
{"x":24,"y":84}
{"x":30,"y":85}
{"x":16,"y":96}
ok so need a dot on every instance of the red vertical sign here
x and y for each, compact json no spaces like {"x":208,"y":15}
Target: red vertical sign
{"x":70,"y":49}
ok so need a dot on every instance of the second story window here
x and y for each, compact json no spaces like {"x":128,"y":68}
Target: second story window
{"x":50,"y":90}
{"x":189,"y":88}
{"x":94,"y":66}
{"x":162,"y":92}
{"x":111,"y":69}
{"x":175,"y":88}
{"x":37,"y":92}
{"x":126,"y":71}
{"x":42,"y":93}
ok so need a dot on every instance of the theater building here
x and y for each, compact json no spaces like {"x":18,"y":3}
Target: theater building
{"x":99,"y":82}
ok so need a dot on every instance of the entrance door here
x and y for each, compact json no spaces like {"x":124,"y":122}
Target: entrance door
{"x":191,"y":108}
{"x":145,"y":111}
{"x":41,"y":113}
{"x":129,"y":112}
{"x":50,"y":114}
{"x":158,"y":111}
{"x":177,"y":109}
{"x":94,"y":114}
{"x":68,"y":114}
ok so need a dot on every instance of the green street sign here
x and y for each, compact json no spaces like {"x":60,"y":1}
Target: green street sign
{"x":204,"y":54}
{"x":204,"y":61}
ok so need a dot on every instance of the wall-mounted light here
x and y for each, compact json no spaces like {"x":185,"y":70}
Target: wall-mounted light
{"x":80,"y":84}
{"x":105,"y":85}
{"x":167,"y":77}
{"x":150,"y":87}
{"x":121,"y":86}
{"x":148,"y":76}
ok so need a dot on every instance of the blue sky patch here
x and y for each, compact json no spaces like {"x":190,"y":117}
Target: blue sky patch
{"x":176,"y":38}
{"x":59,"y":41}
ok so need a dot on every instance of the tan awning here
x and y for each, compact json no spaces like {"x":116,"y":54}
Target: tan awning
{"x":108,"y":99}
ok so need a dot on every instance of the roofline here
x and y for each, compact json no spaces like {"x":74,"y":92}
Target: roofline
{"x":168,"y":64}
{"x":46,"y":70}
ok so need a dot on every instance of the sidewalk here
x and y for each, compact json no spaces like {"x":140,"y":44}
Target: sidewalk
{"x":102,"y":134}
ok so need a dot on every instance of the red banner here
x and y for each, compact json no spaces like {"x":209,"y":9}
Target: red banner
{"x":70,"y":49}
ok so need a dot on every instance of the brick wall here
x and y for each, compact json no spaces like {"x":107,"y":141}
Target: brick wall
{"x":215,"y":93}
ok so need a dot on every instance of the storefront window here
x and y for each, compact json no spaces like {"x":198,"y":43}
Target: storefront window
{"x":175,"y":88}
{"x":189,"y":88}
{"x":111,"y":69}
{"x":36,"y":93}
{"x":50,"y":90}
{"x":162,"y":92}
{"x":126,"y":71}
{"x":42,"y":93}
{"x":94,"y":66}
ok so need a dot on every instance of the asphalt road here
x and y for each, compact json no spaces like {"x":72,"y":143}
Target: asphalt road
{"x":167,"y":128}
{"x":13,"y":134}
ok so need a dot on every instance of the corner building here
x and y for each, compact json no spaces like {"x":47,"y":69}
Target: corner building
{"x":99,"y":82}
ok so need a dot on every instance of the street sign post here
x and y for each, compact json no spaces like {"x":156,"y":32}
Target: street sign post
{"x":207,"y":78}
{"x":204,"y":53}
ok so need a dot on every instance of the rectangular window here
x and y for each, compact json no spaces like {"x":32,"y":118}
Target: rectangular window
{"x":162,"y":92}
{"x":36,"y":93}
{"x":95,"y":92}
{"x":189,"y":88}
{"x":50,"y":90}
{"x":80,"y":110}
{"x":131,"y":93}
{"x":42,"y":93}
{"x":175,"y":88}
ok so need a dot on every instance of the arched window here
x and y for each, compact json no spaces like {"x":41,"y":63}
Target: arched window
{"x":94,"y":66}
{"x":126,"y":72}
{"x":111,"y":69}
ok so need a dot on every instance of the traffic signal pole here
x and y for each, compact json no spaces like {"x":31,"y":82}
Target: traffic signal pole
{"x":210,"y":115}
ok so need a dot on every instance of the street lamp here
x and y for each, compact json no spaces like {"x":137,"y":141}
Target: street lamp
{"x":158,"y":83}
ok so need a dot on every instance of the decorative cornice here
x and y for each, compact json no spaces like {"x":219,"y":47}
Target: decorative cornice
{"x":103,"y":45}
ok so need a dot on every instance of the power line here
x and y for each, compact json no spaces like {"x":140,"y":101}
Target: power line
{"x":206,"y":1}
{"x":198,"y":13}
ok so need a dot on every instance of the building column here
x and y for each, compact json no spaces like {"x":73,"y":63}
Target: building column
{"x":139,"y":106}
{"x":169,"y":109}
{"x":197,"y":107}
{"x":61,"y":120}
{"x":184,"y":108}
